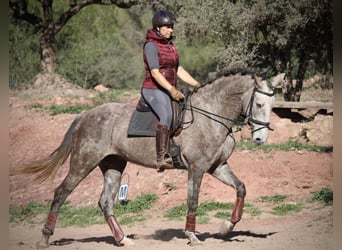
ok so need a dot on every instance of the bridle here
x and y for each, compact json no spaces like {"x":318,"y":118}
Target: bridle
{"x":248,"y":115}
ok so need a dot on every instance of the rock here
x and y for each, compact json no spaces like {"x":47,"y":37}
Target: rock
{"x":320,"y":130}
{"x":284,"y":130}
{"x":100,"y":88}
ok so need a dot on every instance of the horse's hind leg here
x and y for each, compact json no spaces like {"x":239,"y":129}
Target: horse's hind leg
{"x":226,"y":175}
{"x":73,"y":178}
{"x":112,"y":168}
{"x":194,"y":184}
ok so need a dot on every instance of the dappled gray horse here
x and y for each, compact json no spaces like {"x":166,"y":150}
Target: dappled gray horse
{"x":98,"y":137}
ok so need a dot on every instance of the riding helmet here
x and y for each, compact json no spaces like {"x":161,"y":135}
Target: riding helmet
{"x":162,"y":18}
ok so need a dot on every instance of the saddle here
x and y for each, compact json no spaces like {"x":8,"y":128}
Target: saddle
{"x":143,"y":123}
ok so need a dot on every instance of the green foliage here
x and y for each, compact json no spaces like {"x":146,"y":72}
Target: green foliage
{"x":290,"y":145}
{"x":103,"y":44}
{"x":286,"y":208}
{"x":274,"y":198}
{"x":141,"y":203}
{"x":273,"y":36}
{"x":26,"y":213}
{"x":23,"y":54}
{"x":208,"y":206}
{"x":80,"y":216}
{"x":83,"y":215}
{"x":101,"y":98}
{"x":251,"y":209}
{"x":222,"y":215}
{"x":35,"y":106}
{"x":109,"y":53}
{"x":62,"y":109}
{"x":176,"y":212}
{"x":325,"y":196}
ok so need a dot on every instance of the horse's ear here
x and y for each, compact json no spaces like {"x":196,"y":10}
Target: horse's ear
{"x":278,"y":79}
{"x":256,"y":81}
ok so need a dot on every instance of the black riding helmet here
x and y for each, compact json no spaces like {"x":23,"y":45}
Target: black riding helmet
{"x":162,"y":18}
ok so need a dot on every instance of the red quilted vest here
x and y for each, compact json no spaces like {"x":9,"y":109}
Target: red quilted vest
{"x":168,"y":60}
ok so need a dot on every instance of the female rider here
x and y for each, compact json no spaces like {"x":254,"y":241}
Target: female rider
{"x":162,"y":68}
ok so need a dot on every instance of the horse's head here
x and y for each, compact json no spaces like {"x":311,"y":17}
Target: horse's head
{"x":258,"y":107}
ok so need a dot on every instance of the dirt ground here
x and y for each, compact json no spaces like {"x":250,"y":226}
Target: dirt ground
{"x":295,"y":173}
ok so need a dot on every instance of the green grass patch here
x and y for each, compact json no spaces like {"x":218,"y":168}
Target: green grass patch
{"x":222,"y":215}
{"x":80,"y":216}
{"x":288,"y":146}
{"x":114,"y":95}
{"x":273,"y":198}
{"x":84,"y":215}
{"x":208,"y":206}
{"x":66,"y":109}
{"x":27,"y":213}
{"x":35,"y":106}
{"x":286,"y":208}
{"x":251,"y":209}
{"x":139,"y":205}
{"x":177,"y":212}
{"x":325,"y":196}
{"x":111,"y":96}
{"x":223,"y":211}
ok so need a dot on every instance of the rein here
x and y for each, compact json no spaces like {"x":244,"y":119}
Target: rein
{"x":210,"y":115}
{"x":213,"y":116}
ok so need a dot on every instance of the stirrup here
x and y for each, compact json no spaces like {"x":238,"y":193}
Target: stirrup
{"x":166,"y":163}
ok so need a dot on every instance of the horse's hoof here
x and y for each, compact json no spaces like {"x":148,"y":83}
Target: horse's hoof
{"x":41,"y":245}
{"x":226,"y":227}
{"x":126,"y":242}
{"x":195,"y":243}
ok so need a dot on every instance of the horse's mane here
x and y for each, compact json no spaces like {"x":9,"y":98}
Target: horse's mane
{"x":231,"y":71}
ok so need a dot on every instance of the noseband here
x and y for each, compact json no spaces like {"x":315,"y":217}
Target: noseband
{"x":249,"y":115}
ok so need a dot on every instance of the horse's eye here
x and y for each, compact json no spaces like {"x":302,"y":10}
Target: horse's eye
{"x":260,"y":105}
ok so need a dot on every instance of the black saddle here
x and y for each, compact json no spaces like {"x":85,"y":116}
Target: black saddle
{"x":143,"y":121}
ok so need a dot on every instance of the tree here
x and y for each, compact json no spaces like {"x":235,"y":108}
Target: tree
{"x":294,"y":36}
{"x":48,"y":21}
{"x":273,"y":36}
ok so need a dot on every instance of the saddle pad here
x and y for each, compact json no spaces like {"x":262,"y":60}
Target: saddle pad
{"x":141,"y":124}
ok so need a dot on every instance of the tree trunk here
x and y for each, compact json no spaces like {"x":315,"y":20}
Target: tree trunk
{"x":46,"y":35}
{"x":48,"y":65}
{"x":47,"y":53}
{"x":293,"y":87}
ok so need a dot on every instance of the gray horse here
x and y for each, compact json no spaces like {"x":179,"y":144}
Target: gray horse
{"x":98,"y":137}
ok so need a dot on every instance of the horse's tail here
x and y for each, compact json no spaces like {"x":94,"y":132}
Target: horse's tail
{"x":44,"y":168}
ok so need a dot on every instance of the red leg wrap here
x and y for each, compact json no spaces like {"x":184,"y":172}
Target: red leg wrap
{"x":115,"y":228}
{"x":237,"y":212}
{"x":51,"y":222}
{"x":190,"y":223}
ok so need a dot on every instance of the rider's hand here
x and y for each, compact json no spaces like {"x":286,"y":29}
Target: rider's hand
{"x":176,"y":94}
{"x":197,"y":86}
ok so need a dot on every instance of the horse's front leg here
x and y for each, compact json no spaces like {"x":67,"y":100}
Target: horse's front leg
{"x":226,"y":175}
{"x":194,"y":184}
{"x":112,"y":178}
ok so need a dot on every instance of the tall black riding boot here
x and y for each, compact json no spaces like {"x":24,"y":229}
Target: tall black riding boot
{"x":164,"y":159}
